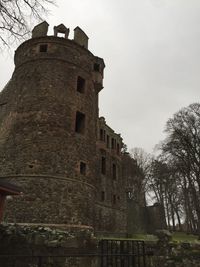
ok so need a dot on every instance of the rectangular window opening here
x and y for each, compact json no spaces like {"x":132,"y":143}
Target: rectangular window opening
{"x":43,"y":48}
{"x":61,"y":34}
{"x":80,"y":85}
{"x":108,"y":141}
{"x":80,"y":122}
{"x":112,"y":143}
{"x":101,"y":135}
{"x":102,"y":196}
{"x":96,"y":67}
{"x":118,"y":151}
{"x":114,"y":199}
{"x":103,"y":165}
{"x":114,"y":171}
{"x":82,"y":168}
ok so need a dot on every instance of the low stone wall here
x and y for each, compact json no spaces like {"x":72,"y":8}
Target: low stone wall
{"x":173,"y":254}
{"x":75,"y":246}
{"x":42,"y":246}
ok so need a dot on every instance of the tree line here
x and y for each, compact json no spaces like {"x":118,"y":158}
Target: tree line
{"x":173,"y":177}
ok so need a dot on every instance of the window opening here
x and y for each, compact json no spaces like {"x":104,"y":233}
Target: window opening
{"x":115,"y":143}
{"x":101,"y":135}
{"x":83,"y":168}
{"x":80,"y":85}
{"x":114,"y":171}
{"x":114,"y":199}
{"x":102,"y":196}
{"x":117,"y":148}
{"x":80,"y":122}
{"x":96,"y":67}
{"x":61,"y":34}
{"x":43,"y":48}
{"x":108,"y":141}
{"x":112,"y":143}
{"x":103,"y":165}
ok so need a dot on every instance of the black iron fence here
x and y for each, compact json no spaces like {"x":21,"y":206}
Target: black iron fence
{"x":111,"y":253}
{"x":124,"y":253}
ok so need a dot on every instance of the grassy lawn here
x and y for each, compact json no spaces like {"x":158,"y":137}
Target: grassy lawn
{"x":176,"y":237}
{"x":183,"y":237}
{"x":144,"y":237}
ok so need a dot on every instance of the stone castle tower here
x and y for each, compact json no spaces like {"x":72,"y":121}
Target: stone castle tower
{"x":53,"y":144}
{"x":48,"y":128}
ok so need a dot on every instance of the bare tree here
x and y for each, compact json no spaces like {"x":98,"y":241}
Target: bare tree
{"x":143,"y":161}
{"x":142,"y":158}
{"x":16,"y":17}
{"x":182,"y":146}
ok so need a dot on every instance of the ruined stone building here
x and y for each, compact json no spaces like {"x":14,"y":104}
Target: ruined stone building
{"x":53,"y":144}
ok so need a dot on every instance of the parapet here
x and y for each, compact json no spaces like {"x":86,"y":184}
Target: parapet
{"x":80,"y":37}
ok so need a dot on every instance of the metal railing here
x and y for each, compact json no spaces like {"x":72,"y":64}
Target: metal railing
{"x":111,"y":253}
{"x":124,"y":253}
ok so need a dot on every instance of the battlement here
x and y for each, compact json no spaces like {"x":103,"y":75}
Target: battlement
{"x":61,"y":31}
{"x":58,"y":49}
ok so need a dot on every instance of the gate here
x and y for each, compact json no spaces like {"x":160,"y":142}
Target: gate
{"x":123,"y":253}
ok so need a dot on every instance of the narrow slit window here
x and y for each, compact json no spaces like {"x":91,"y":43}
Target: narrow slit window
{"x":114,"y":199}
{"x":43,"y":48}
{"x":101,"y":135}
{"x":114,"y":171}
{"x":108,"y":141}
{"x":80,"y":122}
{"x":118,"y":150}
{"x":103,"y":165}
{"x":115,"y":144}
{"x":80,"y":85}
{"x":104,"y":135}
{"x":102,"y":196}
{"x":82,"y":168}
{"x":112,"y":143}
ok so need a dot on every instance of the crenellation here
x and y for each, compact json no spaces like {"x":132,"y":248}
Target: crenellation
{"x":61,"y":29}
{"x":80,"y":37}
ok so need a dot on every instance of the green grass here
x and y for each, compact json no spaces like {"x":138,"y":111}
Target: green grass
{"x":183,"y":237}
{"x":176,"y":237}
{"x":144,"y":237}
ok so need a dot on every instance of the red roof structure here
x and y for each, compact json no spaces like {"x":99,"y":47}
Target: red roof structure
{"x":6,"y":189}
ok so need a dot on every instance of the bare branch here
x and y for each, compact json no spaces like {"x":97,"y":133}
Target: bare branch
{"x":15,"y":16}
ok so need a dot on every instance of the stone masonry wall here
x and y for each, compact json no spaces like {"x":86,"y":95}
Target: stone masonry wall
{"x":175,"y":254}
{"x":51,"y":199}
{"x":111,"y":197}
{"x":38,"y":141}
{"x":46,"y":246}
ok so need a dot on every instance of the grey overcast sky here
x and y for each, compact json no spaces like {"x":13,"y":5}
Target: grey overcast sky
{"x":151,"y":49}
